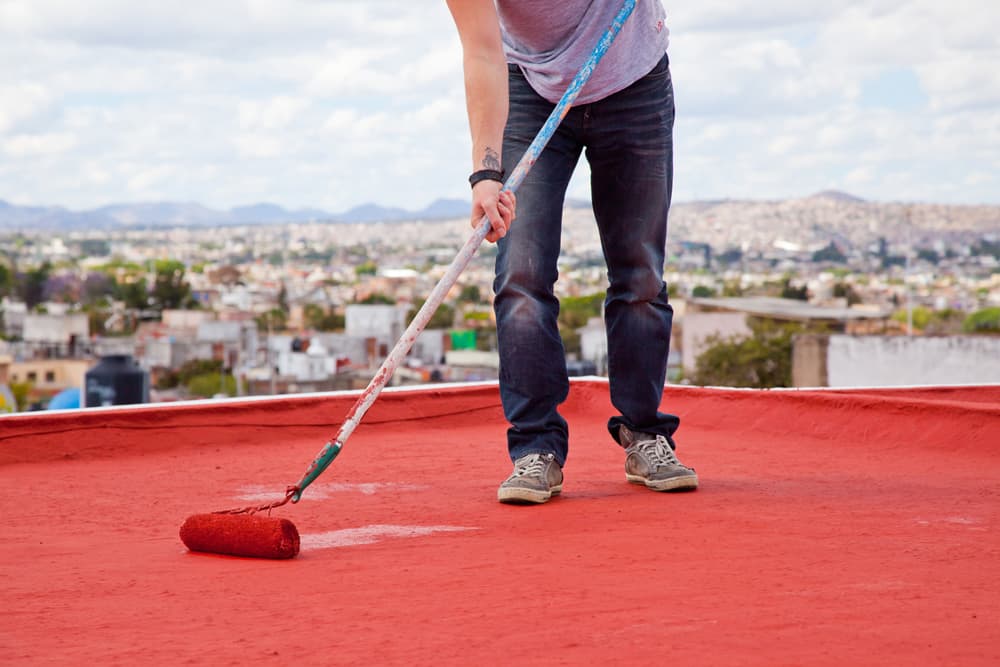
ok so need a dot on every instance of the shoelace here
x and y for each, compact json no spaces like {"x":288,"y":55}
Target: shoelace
{"x":535,"y":466}
{"x":658,"y":451}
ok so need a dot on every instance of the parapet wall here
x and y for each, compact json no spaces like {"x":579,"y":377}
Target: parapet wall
{"x":894,"y":361}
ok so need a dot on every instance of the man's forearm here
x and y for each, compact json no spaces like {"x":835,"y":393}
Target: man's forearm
{"x":486,"y":101}
{"x":485,"y":68}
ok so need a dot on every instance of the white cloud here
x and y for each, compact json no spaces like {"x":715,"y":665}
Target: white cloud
{"x":28,"y":145}
{"x":277,"y":112}
{"x":21,"y":101}
{"x":332,"y":104}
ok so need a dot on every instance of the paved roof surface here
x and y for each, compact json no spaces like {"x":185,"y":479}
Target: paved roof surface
{"x":831,"y":528}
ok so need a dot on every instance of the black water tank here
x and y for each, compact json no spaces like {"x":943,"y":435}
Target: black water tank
{"x":116,"y":380}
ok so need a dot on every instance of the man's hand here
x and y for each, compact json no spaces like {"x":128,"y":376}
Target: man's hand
{"x":499,"y":207}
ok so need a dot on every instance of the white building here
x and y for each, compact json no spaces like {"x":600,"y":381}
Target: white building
{"x":594,"y":343}
{"x":315,"y":364}
{"x":382,"y":322}
{"x":55,"y":329}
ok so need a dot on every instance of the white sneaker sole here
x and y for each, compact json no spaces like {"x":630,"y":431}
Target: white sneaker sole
{"x":516,"y":496}
{"x":686,"y":483}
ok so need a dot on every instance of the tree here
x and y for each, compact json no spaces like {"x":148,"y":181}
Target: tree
{"x":788,"y":291}
{"x":6,"y":280}
{"x":62,"y":288}
{"x":470,"y":294}
{"x":321,"y":319}
{"x":275,"y":319}
{"x":96,"y":288}
{"x":134,"y":293}
{"x":918,"y":315}
{"x":732,"y":288}
{"x":843,"y":290}
{"x":702,"y":291}
{"x":366,"y":268}
{"x":830,"y":253}
{"x":32,"y":288}
{"x":377,"y":298}
{"x":575,"y":311}
{"x":196,"y":367}
{"x":210,"y":384}
{"x":170,"y":290}
{"x":761,"y":360}
{"x":283,"y":299}
{"x":443,"y":317}
{"x":986,"y":320}
{"x":95,"y":248}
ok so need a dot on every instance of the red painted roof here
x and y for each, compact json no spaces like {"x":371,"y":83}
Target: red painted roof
{"x":832,"y":527}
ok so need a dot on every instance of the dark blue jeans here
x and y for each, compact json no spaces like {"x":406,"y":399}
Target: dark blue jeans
{"x":628,"y":138}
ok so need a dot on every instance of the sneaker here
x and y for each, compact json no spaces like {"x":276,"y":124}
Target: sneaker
{"x":650,"y":460}
{"x":536,"y":478}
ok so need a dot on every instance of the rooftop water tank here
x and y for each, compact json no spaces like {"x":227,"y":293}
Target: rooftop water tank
{"x":116,"y":380}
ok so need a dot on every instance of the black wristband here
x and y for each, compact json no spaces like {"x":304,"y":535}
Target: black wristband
{"x":485,"y":175}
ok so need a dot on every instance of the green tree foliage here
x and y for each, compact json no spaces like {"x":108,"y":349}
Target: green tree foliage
{"x":6,"y":280}
{"x":95,"y":248}
{"x":844,"y":290}
{"x":195,"y":367}
{"x":920,"y":315}
{"x":170,"y":290}
{"x":702,"y":292}
{"x":96,"y":289}
{"x":761,"y":360}
{"x":210,"y":384}
{"x":486,"y":338}
{"x":570,"y":339}
{"x":283,"y":299}
{"x":986,"y":247}
{"x":732,"y":288}
{"x":366,"y":268}
{"x":985,"y":321}
{"x":96,"y":317}
{"x":21,"y":390}
{"x":575,"y":311}
{"x":443,"y":317}
{"x":830,"y":253}
{"x":476,"y":318}
{"x":789,"y":291}
{"x":321,"y":319}
{"x":928,"y":255}
{"x":133,"y":292}
{"x":275,"y":319}
{"x":32,"y":288}
{"x":470,"y":294}
{"x":378,"y":298}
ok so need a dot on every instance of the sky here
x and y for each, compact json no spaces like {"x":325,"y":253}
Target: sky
{"x":336,"y":103}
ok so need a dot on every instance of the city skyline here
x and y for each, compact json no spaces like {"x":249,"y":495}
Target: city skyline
{"x":333,"y":105}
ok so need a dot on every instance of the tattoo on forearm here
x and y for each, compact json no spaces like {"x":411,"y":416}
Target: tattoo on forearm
{"x":491,"y":160}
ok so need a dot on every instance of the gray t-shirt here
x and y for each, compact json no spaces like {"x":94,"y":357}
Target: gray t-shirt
{"x":551,"y":39}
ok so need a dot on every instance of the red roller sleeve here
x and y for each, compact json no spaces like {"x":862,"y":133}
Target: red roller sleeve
{"x":241,"y":535}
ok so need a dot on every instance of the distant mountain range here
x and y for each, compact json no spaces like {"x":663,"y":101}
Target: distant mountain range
{"x":174,"y":214}
{"x":181,"y":214}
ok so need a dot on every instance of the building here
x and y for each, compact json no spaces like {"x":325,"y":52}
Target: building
{"x":727,"y":317}
{"x":383,"y":324}
{"x":820,"y":360}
